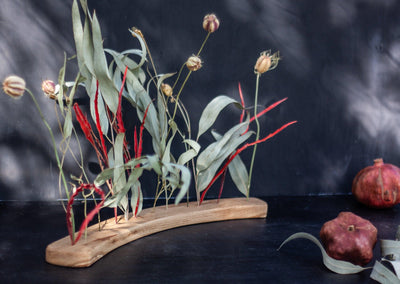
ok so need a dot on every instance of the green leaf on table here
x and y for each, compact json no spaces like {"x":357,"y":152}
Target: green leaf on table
{"x":338,"y":266}
{"x":384,"y":275}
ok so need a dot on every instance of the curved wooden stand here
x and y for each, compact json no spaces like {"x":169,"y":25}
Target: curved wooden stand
{"x":152,"y":220}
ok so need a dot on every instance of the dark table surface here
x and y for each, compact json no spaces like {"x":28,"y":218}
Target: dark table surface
{"x":240,"y":251}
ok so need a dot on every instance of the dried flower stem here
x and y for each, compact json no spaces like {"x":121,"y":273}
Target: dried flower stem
{"x":257,"y":135}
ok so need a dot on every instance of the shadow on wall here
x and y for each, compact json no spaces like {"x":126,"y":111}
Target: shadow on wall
{"x":340,"y":71}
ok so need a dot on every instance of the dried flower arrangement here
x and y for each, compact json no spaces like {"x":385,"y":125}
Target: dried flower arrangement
{"x":157,"y":105}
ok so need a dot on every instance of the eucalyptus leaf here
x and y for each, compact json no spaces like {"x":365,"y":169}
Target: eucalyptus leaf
{"x":61,"y":80}
{"x":395,"y":264}
{"x":211,"y":112}
{"x":67,"y":129}
{"x":338,"y":266}
{"x":237,"y":171}
{"x":210,"y":160}
{"x":190,"y":153}
{"x":382,"y":274}
{"x":104,"y":123}
{"x":391,"y":248}
{"x":109,"y":91}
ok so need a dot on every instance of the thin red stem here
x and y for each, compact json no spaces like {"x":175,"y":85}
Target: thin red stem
{"x":121,"y":128}
{"x":89,"y":217}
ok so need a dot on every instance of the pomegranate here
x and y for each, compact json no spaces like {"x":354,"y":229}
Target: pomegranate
{"x":350,"y":238}
{"x":378,"y":186}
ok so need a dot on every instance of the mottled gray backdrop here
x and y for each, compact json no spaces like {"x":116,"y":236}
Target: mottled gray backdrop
{"x":340,"y":72}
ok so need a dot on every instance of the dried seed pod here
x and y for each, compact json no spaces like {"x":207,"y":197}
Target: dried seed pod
{"x":166,"y":89}
{"x":14,"y":86}
{"x":194,"y":63}
{"x":210,"y":23}
{"x":49,"y":89}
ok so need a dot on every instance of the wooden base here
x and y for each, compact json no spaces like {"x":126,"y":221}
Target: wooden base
{"x":152,"y":220}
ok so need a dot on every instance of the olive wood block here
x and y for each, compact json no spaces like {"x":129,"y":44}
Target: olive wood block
{"x":152,"y":220}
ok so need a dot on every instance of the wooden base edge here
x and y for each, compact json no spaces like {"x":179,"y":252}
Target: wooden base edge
{"x":152,"y":220}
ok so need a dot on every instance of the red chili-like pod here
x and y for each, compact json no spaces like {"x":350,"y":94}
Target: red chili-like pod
{"x":378,"y":186}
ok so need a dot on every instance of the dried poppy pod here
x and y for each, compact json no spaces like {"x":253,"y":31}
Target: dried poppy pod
{"x":266,"y":62}
{"x":14,"y":86}
{"x":210,"y":23}
{"x":194,"y":63}
{"x":166,"y":89}
{"x":49,"y":89}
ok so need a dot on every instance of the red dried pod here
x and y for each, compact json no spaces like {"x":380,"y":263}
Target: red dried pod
{"x":350,"y":238}
{"x":378,"y":186}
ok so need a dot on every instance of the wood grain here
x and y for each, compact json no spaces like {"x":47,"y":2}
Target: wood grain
{"x":152,"y":220}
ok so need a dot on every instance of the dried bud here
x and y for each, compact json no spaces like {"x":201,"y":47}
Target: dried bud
{"x":210,"y":23}
{"x":193,"y":63}
{"x":135,"y":31}
{"x":14,"y":86}
{"x":49,"y":89}
{"x":166,"y":89}
{"x":266,"y":62}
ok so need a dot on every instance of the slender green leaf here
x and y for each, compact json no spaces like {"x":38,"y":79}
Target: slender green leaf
{"x":338,"y":266}
{"x":237,"y":171}
{"x":67,"y":129}
{"x":392,"y":248}
{"x":189,"y":154}
{"x":211,"y":112}
{"x":109,"y":91}
{"x":184,"y":184}
{"x":384,"y":275}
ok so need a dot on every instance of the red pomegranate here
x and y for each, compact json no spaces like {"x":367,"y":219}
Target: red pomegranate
{"x":378,"y":186}
{"x":350,"y":238}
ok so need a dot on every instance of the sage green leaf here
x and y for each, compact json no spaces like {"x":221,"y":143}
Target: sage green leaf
{"x":104,"y":176}
{"x":109,"y":91}
{"x":136,"y":197}
{"x":78,"y":32}
{"x":211,"y":112}
{"x":61,"y":80}
{"x":87,"y":52}
{"x":67,"y":129}
{"x":166,"y":158}
{"x":382,"y":274}
{"x":190,"y":153}
{"x":143,"y":47}
{"x":184,"y":184}
{"x":395,"y":264}
{"x":119,"y":178}
{"x":84,"y":5}
{"x":338,"y":266}
{"x":210,"y":160}
{"x":391,"y":248}
{"x":104,"y":123}
{"x":228,"y":143}
{"x":237,"y":171}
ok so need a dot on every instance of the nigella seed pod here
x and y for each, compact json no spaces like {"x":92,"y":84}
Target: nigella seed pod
{"x":49,"y":89}
{"x":194,"y":63}
{"x":266,"y":62}
{"x":14,"y":86}
{"x":210,"y":23}
{"x":166,"y":89}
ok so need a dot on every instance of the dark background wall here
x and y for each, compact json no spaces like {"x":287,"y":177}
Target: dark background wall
{"x":340,"y":72}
